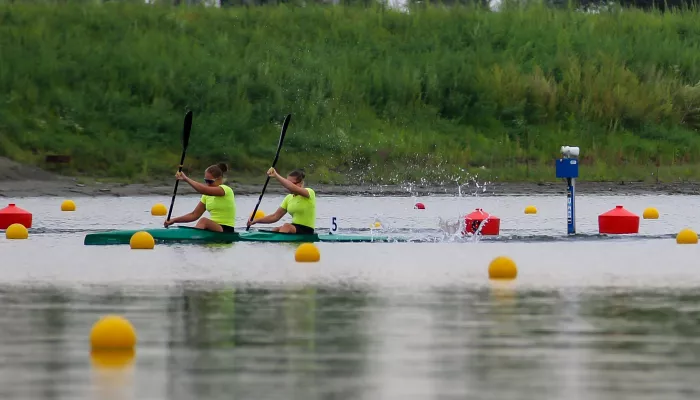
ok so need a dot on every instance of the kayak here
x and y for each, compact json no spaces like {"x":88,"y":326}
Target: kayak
{"x":194,"y":235}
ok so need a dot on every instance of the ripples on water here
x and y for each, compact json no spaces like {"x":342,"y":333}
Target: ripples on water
{"x":591,"y":319}
{"x":316,"y":342}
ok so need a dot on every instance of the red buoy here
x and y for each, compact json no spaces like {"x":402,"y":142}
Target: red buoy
{"x":15,"y":215}
{"x":618,"y":221}
{"x":490,"y":224}
{"x":419,"y":206}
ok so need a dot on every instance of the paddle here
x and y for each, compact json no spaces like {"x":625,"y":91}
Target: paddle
{"x":185,"y":141}
{"x":279,"y":147}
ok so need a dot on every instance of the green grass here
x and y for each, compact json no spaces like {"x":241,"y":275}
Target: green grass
{"x":376,"y":95}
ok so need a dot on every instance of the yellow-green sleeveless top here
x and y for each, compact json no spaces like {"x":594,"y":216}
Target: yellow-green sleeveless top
{"x":302,"y":209}
{"x":221,"y":208}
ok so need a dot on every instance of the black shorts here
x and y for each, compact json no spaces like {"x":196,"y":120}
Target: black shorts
{"x":227,"y":229}
{"x":303,"y":229}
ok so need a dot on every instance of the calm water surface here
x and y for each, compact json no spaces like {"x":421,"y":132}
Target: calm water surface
{"x":587,"y":318}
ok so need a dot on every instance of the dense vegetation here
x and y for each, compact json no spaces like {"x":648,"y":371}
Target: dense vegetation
{"x":421,"y":94}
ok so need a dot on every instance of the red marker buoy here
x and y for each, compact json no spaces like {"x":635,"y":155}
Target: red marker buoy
{"x":15,"y":215}
{"x":490,"y":224}
{"x":419,"y":206}
{"x":618,"y":221}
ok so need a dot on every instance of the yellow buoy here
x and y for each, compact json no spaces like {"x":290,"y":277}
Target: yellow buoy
{"x":142,"y":240}
{"x":530,"y":210}
{"x":112,"y":332}
{"x":159,"y":210}
{"x":259,"y":214}
{"x":687,"y":236}
{"x":307,"y":252}
{"x":502,"y":268}
{"x":376,"y":224}
{"x":16,"y":231}
{"x":650,"y":213}
{"x":68,"y":205}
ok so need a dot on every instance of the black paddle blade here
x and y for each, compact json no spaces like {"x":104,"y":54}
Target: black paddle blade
{"x":287,"y":119}
{"x":186,"y":129}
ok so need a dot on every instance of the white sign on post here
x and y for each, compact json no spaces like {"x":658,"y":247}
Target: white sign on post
{"x":334,"y":225}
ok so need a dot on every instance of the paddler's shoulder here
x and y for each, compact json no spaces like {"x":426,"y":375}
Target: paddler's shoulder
{"x":312,"y":194}
{"x":227,"y":189}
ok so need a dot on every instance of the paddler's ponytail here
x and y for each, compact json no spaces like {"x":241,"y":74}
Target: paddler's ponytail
{"x":218,"y":170}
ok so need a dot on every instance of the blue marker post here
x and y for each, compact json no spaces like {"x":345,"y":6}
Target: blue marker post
{"x":567,"y":167}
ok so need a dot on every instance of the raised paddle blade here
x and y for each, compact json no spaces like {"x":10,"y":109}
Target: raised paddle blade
{"x":284,"y":132}
{"x":186,"y":129}
{"x":186,"y":132}
{"x":277,"y":155}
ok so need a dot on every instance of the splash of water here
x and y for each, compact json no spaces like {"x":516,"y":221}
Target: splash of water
{"x":454,"y":229}
{"x":466,"y":180}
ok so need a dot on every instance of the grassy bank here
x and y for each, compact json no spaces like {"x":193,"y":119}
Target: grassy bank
{"x":380,"y":94}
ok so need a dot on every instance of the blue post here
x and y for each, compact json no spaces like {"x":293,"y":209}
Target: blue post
{"x":570,"y":207}
{"x":567,"y":167}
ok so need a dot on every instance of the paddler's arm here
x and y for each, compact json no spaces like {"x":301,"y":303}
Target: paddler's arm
{"x":189,"y":217}
{"x":269,"y":219}
{"x":200,"y":187}
{"x":287,"y":184}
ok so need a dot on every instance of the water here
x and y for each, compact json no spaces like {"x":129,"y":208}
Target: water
{"x":587,"y":318}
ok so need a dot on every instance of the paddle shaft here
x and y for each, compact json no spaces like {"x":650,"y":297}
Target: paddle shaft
{"x":185,"y":141}
{"x":252,"y":216}
{"x":172,"y":201}
{"x":277,"y":156}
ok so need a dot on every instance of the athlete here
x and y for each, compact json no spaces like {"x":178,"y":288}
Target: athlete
{"x":217,"y":198}
{"x":300,"y":203}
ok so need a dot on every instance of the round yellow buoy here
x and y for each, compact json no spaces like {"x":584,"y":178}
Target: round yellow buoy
{"x":376,"y":224}
{"x":650,"y":213}
{"x":307,"y":252}
{"x":68,"y":205}
{"x":112,"y":332}
{"x":259,"y":214}
{"x":687,"y":236}
{"x":142,"y":240}
{"x":16,"y":231}
{"x":159,"y":210}
{"x":530,"y":210}
{"x":502,"y":268}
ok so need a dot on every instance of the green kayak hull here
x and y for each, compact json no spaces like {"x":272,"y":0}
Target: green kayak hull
{"x":194,"y":235}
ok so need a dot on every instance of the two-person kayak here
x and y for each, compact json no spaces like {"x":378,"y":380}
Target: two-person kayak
{"x":219,"y":200}
{"x":195,"y":235}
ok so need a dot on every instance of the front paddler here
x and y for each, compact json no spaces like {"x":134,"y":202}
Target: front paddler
{"x":300,"y":203}
{"x":217,"y":198}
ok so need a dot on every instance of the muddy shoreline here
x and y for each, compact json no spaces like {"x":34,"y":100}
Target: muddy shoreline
{"x":18,"y":181}
{"x":69,"y":188}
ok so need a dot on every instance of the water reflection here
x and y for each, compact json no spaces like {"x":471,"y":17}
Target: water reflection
{"x":313,"y":342}
{"x":269,"y":342}
{"x":32,"y":327}
{"x":646,"y":340}
{"x":112,"y":374}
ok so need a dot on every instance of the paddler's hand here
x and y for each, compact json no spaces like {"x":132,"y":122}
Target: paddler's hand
{"x":180,"y":176}
{"x":272,"y":172}
{"x":249,"y":223}
{"x":168,"y":223}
